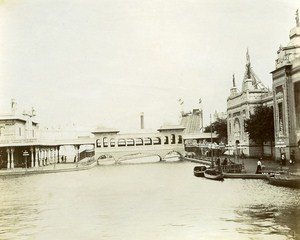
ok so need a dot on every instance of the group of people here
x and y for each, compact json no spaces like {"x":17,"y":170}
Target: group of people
{"x":282,"y":163}
{"x":63,"y":159}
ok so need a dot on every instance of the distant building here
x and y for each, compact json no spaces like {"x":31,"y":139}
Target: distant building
{"x":18,"y":133}
{"x":192,"y":121}
{"x":219,"y":115}
{"x":286,"y":94}
{"x":23,"y":144}
{"x":240,"y":104}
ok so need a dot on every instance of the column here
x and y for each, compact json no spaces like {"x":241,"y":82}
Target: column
{"x":54,"y":156}
{"x":32,"y":157}
{"x":12,"y":165}
{"x":47,"y":156}
{"x":50,"y":155}
{"x":40,"y":157}
{"x":58,"y":154}
{"x":36,"y":157}
{"x":77,"y":157}
{"x":43,"y":157}
{"x":8,"y":157}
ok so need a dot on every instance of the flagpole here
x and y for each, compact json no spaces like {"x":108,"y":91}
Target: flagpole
{"x":211,"y":151}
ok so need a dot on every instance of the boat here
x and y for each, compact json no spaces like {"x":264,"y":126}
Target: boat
{"x":199,"y":171}
{"x":245,"y":175}
{"x":213,"y":174}
{"x":285,"y":180}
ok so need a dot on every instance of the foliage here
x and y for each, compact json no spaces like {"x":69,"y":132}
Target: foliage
{"x":260,"y":125}
{"x":220,"y":127}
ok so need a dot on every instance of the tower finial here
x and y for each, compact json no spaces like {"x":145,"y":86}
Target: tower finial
{"x":248,"y":75}
{"x":297,"y":18}
{"x":248,"y":56}
{"x":233,"y":80}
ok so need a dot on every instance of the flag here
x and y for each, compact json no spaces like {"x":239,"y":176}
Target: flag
{"x":180,"y":101}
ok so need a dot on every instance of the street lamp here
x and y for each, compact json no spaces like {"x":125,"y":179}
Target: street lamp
{"x":25,"y":154}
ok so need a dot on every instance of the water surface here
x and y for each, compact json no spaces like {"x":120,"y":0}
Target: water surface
{"x":145,"y":201}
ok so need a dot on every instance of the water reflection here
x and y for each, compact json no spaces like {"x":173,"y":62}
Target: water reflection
{"x":269,"y":220}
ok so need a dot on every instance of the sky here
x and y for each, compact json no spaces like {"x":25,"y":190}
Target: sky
{"x":88,"y":63}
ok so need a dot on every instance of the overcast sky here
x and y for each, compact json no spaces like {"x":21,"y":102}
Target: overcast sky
{"x":95,"y":62}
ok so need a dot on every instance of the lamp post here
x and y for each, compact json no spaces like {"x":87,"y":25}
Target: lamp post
{"x":211,"y":150}
{"x":25,"y":154}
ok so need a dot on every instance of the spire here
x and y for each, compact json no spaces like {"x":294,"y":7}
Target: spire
{"x":233,"y":80}
{"x":248,"y":56}
{"x":297,"y":18}
{"x":248,"y":65}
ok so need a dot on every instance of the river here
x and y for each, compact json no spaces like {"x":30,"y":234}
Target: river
{"x":145,"y":201}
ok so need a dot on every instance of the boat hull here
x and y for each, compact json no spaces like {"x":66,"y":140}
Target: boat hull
{"x":285,"y":180}
{"x":213,"y":175}
{"x":199,"y":171}
{"x":245,"y":176}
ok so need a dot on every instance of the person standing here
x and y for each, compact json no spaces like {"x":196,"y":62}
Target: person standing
{"x":292,"y":159}
{"x":258,"y":168}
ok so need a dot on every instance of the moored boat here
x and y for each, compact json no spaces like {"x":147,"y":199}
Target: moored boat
{"x":285,"y":180}
{"x":245,"y":175}
{"x":213,"y":174}
{"x":199,"y":171}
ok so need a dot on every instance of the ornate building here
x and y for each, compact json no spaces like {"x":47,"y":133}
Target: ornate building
{"x":240,"y":104}
{"x":286,"y":94}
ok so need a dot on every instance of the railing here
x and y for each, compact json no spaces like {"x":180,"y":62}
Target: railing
{"x":232,"y":168}
{"x":6,"y":141}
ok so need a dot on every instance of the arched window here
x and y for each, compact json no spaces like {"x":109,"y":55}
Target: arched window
{"x":180,"y":139}
{"x":105,"y":142}
{"x":148,"y":141}
{"x":112,"y":142}
{"x":138,"y":142}
{"x":121,"y":142}
{"x":173,"y":139}
{"x":156,"y":141}
{"x":166,"y":140}
{"x":237,"y":128}
{"x":98,"y":143}
{"x":129,"y":142}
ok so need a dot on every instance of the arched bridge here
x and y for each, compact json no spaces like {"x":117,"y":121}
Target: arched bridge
{"x":120,"y":147}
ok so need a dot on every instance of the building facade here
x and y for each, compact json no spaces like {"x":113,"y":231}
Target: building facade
{"x":22,"y":143}
{"x":240,"y":105}
{"x":286,"y":95}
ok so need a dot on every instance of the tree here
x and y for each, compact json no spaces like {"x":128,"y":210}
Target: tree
{"x":220,"y":127}
{"x":260,"y":126}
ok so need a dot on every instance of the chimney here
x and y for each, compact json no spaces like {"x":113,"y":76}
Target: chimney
{"x":13,"y":106}
{"x":142,"y":120}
